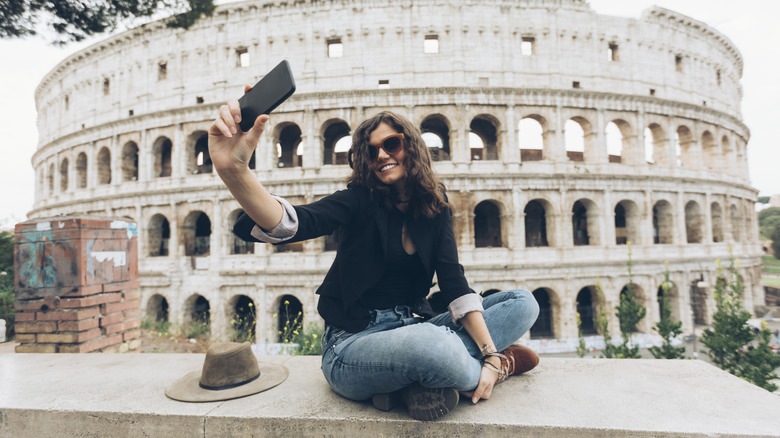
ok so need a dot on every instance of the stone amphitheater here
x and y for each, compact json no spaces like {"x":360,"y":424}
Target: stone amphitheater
{"x":562,"y":135}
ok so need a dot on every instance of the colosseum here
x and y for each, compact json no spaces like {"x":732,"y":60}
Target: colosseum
{"x":562,"y":135}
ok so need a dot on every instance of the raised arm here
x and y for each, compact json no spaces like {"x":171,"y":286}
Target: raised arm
{"x":230,"y":150}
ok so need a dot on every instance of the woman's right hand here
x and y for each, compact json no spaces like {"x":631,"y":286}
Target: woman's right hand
{"x":230,"y":149}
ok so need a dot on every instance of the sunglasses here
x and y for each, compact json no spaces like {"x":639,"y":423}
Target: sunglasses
{"x":391,"y":144}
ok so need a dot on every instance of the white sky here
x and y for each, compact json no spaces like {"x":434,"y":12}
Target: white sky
{"x":751,"y":25}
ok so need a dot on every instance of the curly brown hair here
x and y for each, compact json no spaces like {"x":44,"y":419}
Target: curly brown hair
{"x":425,"y":190}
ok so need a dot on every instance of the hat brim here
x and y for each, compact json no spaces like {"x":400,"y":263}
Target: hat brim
{"x":187,"y":388}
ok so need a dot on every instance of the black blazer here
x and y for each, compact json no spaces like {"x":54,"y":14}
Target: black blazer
{"x":360,"y":221}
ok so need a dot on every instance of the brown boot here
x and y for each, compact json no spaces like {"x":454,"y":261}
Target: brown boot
{"x":519,"y":360}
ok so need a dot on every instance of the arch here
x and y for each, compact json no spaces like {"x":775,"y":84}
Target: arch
{"x":199,"y":160}
{"x":587,"y":300}
{"x":673,"y":299}
{"x":158,"y":236}
{"x":577,"y":138}
{"x":663,"y":223}
{"x":655,"y":144}
{"x":538,"y":214}
{"x":288,"y":140}
{"x":341,"y":150}
{"x":716,"y":216}
{"x":196,"y":234}
{"x":81,"y":171}
{"x":157,"y":308}
{"x":242,"y":315}
{"x":290,"y":317}
{"x":627,"y":222}
{"x":615,"y":133}
{"x":333,"y":131}
{"x":487,"y":225}
{"x":543,"y":327}
{"x":693,"y":223}
{"x":709,"y":150}
{"x":104,"y":166}
{"x":530,"y":132}
{"x":486,"y":128}
{"x":734,"y":224}
{"x":130,"y":162}
{"x":50,"y":178}
{"x":197,"y":309}
{"x":163,"y":162}
{"x":237,"y":245}
{"x":638,"y":293}
{"x":438,"y":125}
{"x":683,"y":139}
{"x":727,"y":152}
{"x":699,"y":302}
{"x":584,"y":220}
{"x":64,"y":175}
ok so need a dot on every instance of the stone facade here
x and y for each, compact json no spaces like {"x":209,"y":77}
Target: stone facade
{"x":561,"y":135}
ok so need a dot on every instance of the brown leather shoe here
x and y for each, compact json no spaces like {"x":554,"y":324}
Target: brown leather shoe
{"x":519,"y":360}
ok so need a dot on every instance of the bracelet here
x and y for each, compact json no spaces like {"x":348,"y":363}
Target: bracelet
{"x":487,"y":350}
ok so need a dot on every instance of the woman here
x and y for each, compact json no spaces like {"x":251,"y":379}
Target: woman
{"x":394,"y":231}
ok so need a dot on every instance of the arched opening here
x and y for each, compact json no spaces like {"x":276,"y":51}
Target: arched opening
{"x":693,"y":223}
{"x":727,"y":152}
{"x":341,"y":150}
{"x":574,"y":138}
{"x":336,"y":131}
{"x":162,"y":157}
{"x":673,"y":298}
{"x":64,"y":175}
{"x":238,"y":246}
{"x":638,"y":296}
{"x":439,"y":126}
{"x":716,"y":216}
{"x":709,"y":150}
{"x":626,"y":222}
{"x":196,"y":233}
{"x":734,"y":224}
{"x":157,"y":309}
{"x":586,"y":302}
{"x":699,"y":302}
{"x":663,"y":223}
{"x":530,"y":133}
{"x":104,"y":166}
{"x":485,"y":129}
{"x":197,"y":309}
{"x":288,"y":142}
{"x":243,"y":319}
{"x":199,"y":155}
{"x":290,"y":318}
{"x":584,"y":219}
{"x":81,"y":171}
{"x":535,"y":224}
{"x":543,"y":327}
{"x":130,"y":162}
{"x":487,"y":225}
{"x":159,"y":236}
{"x":50,"y":179}
{"x":655,"y":145}
{"x":614,"y":140}
{"x":684,"y":146}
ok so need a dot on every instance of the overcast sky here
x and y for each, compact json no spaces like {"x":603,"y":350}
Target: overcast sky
{"x":751,"y":25}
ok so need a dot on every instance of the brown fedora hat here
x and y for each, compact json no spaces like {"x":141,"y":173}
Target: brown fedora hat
{"x":230,"y":371}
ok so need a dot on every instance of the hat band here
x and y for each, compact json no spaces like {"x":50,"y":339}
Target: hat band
{"x":232,"y":385}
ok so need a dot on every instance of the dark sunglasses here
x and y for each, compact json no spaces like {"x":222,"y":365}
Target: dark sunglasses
{"x":392,"y":144}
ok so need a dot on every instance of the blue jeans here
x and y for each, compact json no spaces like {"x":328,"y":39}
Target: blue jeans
{"x":397,"y":349}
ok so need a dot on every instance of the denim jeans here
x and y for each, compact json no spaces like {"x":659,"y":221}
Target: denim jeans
{"x":398,"y":349}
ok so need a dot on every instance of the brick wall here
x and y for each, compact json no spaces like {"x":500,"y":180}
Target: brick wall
{"x":76,"y":285}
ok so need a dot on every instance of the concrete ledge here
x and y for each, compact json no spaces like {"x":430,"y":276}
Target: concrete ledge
{"x":102,"y":395}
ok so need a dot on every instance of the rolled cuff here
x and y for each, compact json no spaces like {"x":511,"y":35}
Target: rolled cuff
{"x":464,"y":304}
{"x":286,"y":228}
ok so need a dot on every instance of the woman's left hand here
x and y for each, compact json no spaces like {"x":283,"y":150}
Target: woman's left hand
{"x":487,"y":379}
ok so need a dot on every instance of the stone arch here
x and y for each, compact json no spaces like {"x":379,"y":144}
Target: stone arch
{"x":439,"y":126}
{"x":64,"y":167}
{"x":163,"y":157}
{"x":290,"y":316}
{"x":50,"y":178}
{"x":130,"y":161}
{"x":699,"y":297}
{"x":748,"y":219}
{"x":237,"y":245}
{"x":287,"y":138}
{"x":104,"y":166}
{"x":332,"y":132}
{"x":639,"y":296}
{"x":487,"y":128}
{"x":694,"y":229}
{"x":727,"y":152}
{"x":157,"y":308}
{"x":81,"y":171}
{"x":735,"y":224}
{"x":198,"y":158}
{"x":197,"y":309}
{"x":684,"y":141}
{"x":585,"y":223}
{"x":716,"y":216}
{"x":196,"y":234}
{"x":241,"y":313}
{"x":627,"y":222}
{"x":530,"y":132}
{"x":158,"y":236}
{"x":709,"y":150}
{"x":539,"y":223}
{"x":673,"y":299}
{"x":663,"y":223}
{"x":618,"y":136}
{"x":655,"y":144}
{"x":586,"y":304}
{"x":574,"y":138}
{"x":487,"y":225}
{"x":544,"y":327}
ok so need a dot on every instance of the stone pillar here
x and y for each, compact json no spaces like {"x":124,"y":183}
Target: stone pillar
{"x":76,"y":285}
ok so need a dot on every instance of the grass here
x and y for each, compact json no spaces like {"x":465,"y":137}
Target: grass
{"x":771,"y":265}
{"x":771,"y":282}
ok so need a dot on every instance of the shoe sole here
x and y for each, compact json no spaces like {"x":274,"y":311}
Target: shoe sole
{"x":386,"y":401}
{"x":428,"y":404}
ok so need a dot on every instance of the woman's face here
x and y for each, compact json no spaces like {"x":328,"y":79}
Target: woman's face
{"x":389,"y":169}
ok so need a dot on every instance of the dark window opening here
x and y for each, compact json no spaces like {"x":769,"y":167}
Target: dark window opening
{"x":542,"y":328}
{"x":438,"y":146}
{"x":575,"y":84}
{"x":487,"y":132}
{"x":580,"y":224}
{"x":535,"y":225}
{"x":290,"y":317}
{"x":487,"y":225}
{"x":159,"y":236}
{"x":334,"y":142}
{"x":585,"y":310}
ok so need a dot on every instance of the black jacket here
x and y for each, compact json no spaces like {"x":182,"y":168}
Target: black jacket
{"x":361,"y":225}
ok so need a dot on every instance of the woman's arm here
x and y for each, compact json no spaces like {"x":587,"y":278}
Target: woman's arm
{"x":230,"y":150}
{"x":475,"y":325}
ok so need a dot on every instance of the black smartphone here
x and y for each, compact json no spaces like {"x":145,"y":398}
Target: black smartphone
{"x":273,"y":89}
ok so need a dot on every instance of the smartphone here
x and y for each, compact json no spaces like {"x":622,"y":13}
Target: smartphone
{"x":273,"y":89}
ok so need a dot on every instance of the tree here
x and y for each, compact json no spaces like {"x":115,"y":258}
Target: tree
{"x":760,"y":362}
{"x":629,"y":312}
{"x":776,"y":241}
{"x":75,"y":20}
{"x":667,"y":328}
{"x":768,"y":220}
